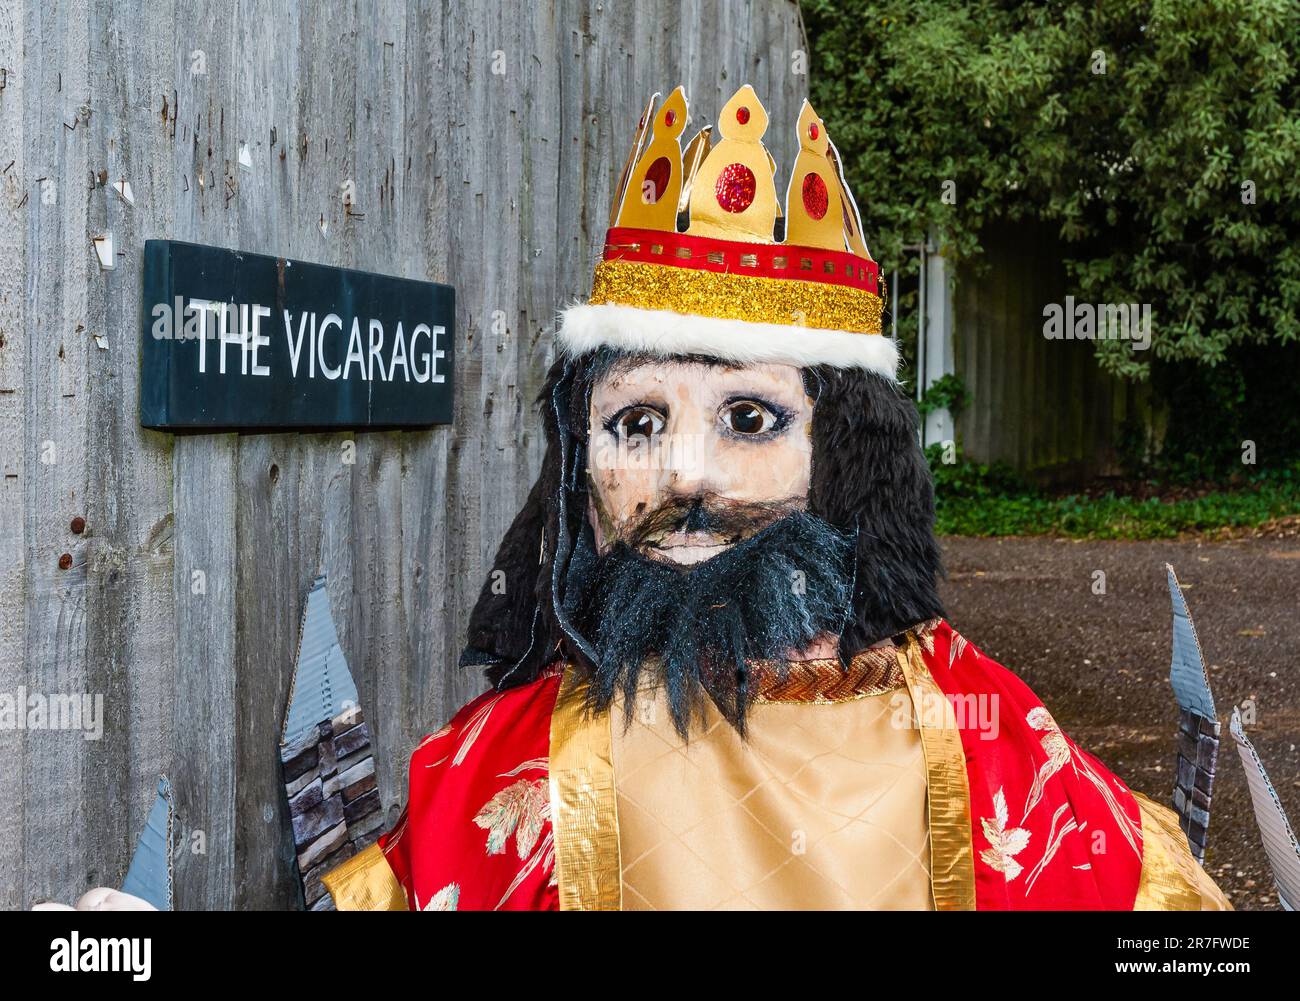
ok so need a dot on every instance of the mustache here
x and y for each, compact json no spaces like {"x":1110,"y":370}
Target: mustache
{"x":726,"y":518}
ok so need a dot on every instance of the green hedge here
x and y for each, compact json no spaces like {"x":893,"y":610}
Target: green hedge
{"x":973,"y":499}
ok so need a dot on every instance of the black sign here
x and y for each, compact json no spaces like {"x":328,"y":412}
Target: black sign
{"x":245,"y":341}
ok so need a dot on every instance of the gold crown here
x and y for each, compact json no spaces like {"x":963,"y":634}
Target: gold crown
{"x":698,"y":233}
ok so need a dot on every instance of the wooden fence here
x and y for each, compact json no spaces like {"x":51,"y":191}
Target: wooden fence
{"x":1043,"y":407}
{"x":481,"y":139}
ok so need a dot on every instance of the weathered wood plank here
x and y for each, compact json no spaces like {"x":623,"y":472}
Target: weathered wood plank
{"x":17,"y":189}
{"x":182,"y":602}
{"x":58,"y":849}
{"x":130,"y":624}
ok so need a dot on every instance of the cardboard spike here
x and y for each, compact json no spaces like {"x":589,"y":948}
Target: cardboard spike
{"x":638,"y":146}
{"x":149,"y":875}
{"x":328,"y":762}
{"x":322,"y":684}
{"x":852,"y":217}
{"x":653,"y":186}
{"x":1275,"y":829}
{"x":1187,"y":669}
{"x":812,"y":199}
{"x":695,"y":153}
{"x":1198,"y":728}
{"x":734,"y":194}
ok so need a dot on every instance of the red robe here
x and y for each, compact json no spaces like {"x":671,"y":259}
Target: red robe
{"x":1039,"y":823}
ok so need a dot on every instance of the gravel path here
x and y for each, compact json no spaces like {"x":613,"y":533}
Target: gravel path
{"x":1101,"y":662}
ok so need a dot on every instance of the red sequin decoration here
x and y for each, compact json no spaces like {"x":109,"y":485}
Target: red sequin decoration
{"x":815,"y":201}
{"x":735,"y":187}
{"x":670,"y":116}
{"x":813,"y":131}
{"x":742,"y":115}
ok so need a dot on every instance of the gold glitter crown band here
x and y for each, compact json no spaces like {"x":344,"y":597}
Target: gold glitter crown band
{"x":692,"y":263}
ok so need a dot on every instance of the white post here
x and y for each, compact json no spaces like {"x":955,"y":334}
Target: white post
{"x":934,"y":352}
{"x":920,"y":334}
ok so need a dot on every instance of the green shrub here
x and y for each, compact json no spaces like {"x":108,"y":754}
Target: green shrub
{"x":972,"y":499}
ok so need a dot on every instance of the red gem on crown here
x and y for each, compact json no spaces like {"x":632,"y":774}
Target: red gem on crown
{"x":735,"y":187}
{"x":815,"y":200}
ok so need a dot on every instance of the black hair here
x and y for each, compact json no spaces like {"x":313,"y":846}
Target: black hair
{"x":869,"y":473}
{"x":869,"y":476}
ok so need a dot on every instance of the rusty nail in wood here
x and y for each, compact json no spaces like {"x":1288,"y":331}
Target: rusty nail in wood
{"x":65,"y":561}
{"x":78,"y":525}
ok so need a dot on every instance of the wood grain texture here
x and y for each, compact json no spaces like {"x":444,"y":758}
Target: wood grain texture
{"x":13,"y":441}
{"x":481,"y":139}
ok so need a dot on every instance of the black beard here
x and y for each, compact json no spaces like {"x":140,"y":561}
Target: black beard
{"x":708,"y":622}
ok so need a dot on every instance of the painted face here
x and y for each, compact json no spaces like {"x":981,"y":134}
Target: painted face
{"x":688,"y":458}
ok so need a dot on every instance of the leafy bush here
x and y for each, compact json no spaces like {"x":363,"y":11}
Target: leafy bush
{"x":948,"y":392}
{"x":1161,"y":140}
{"x":972,"y":499}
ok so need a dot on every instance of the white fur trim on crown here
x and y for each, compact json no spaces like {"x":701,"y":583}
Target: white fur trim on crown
{"x":586,"y":327}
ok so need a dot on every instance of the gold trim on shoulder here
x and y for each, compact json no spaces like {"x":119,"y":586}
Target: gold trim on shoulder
{"x":584,"y":814}
{"x":365,"y":882}
{"x":952,"y":856}
{"x":1171,"y":878}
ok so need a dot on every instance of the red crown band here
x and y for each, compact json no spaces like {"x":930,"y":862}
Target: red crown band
{"x":759,"y":260}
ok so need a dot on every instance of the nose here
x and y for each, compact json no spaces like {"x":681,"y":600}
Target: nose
{"x":690,"y":464}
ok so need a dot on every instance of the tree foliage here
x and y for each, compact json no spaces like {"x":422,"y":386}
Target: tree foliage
{"x":1160,"y":137}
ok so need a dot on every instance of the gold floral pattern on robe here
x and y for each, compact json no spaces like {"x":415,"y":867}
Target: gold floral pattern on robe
{"x":1005,"y":843}
{"x":522,"y":810}
{"x":445,"y":899}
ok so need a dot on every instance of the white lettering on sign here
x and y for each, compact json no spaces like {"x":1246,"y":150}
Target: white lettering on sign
{"x":295,"y":346}
{"x":399,"y":354}
{"x":331,"y":372}
{"x":376,"y":349}
{"x":258,"y":340}
{"x":359,"y":349}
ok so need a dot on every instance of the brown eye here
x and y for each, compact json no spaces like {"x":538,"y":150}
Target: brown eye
{"x":748,"y":417}
{"x":639,"y":422}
